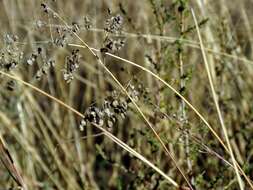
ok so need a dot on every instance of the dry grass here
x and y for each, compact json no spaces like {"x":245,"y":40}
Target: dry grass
{"x":137,"y":83}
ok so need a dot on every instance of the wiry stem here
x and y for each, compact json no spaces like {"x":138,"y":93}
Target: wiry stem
{"x":215,"y":98}
{"x":128,"y":95}
{"x":183,"y":115}
{"x":178,"y":94}
{"x":112,"y":137}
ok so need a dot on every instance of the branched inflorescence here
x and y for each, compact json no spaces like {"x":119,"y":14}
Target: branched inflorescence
{"x":113,"y":107}
{"x":39,"y":56}
{"x":113,"y":25}
{"x":107,"y":114}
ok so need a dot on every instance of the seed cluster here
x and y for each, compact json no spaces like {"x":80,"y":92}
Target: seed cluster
{"x":10,"y":55}
{"x":61,"y":33}
{"x":45,"y":68}
{"x":112,"y":107}
{"x":114,"y":45}
{"x":61,"y":39}
{"x":114,"y":24}
{"x":33,"y":58}
{"x":107,"y":114}
{"x":72,"y":63}
{"x":39,"y":56}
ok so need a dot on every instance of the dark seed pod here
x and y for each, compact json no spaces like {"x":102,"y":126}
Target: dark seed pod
{"x":11,"y":85}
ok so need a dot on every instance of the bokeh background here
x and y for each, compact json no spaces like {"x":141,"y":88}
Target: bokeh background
{"x":44,"y":138}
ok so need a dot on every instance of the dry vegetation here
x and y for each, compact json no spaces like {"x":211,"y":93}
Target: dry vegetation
{"x":125,"y":94}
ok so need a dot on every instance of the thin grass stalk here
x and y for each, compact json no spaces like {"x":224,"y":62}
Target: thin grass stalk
{"x":215,"y":98}
{"x":125,"y":91}
{"x":115,"y":139}
{"x":178,"y":94}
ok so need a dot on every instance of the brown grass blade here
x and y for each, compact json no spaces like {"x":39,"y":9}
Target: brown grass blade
{"x":8,"y":162}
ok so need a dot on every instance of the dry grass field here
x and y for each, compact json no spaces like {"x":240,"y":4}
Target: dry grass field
{"x":123,"y":94}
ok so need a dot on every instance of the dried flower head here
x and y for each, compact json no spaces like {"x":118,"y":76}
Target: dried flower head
{"x":112,"y":45}
{"x":72,"y":63}
{"x":112,"y":107}
{"x":61,"y":38}
{"x":45,"y":68}
{"x":10,"y":54}
{"x":114,"y":24}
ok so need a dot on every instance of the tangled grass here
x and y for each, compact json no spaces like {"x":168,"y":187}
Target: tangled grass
{"x":126,"y":95}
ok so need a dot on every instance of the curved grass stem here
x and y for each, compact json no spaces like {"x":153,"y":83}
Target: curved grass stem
{"x":125,"y":91}
{"x":215,"y":98}
{"x":182,"y":97}
{"x":108,"y":134}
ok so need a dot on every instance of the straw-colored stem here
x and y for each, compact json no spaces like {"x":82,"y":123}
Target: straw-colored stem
{"x":112,"y":137}
{"x":215,"y":98}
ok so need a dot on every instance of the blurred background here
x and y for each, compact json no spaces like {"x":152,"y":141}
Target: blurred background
{"x":44,"y":138}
